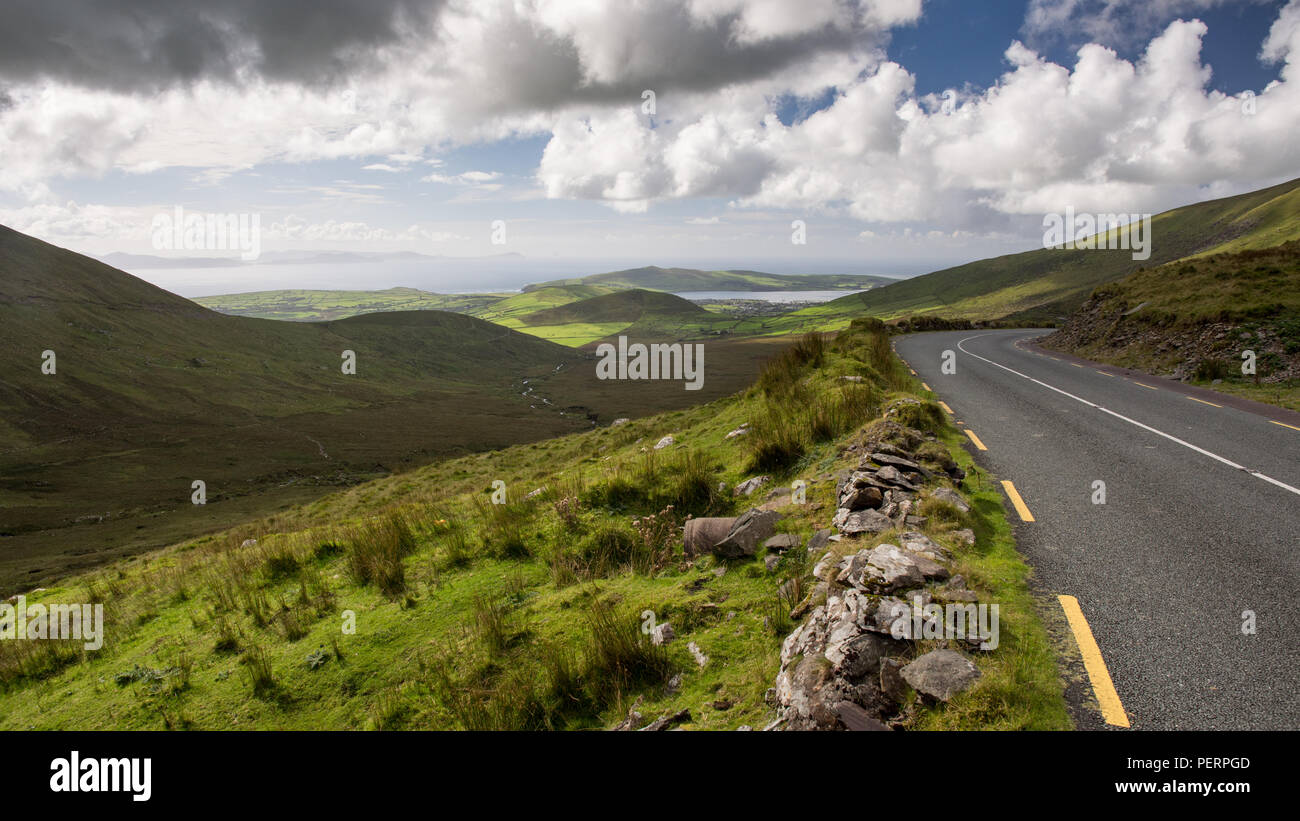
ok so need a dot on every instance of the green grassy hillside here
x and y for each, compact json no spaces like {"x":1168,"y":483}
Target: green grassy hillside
{"x":1192,"y":319}
{"x":152,"y":392}
{"x":415,"y":602}
{"x":1045,"y":284}
{"x":654,"y":278}
{"x":620,"y":306}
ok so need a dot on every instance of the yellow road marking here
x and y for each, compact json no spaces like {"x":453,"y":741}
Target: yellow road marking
{"x":1284,"y":424}
{"x":975,"y":439}
{"x":1203,"y":402}
{"x":1017,"y":502}
{"x":1148,"y":387}
{"x":945,"y":407}
{"x":927,"y":387}
{"x":1076,"y":364}
{"x":1111,"y":708}
{"x":1103,"y":373}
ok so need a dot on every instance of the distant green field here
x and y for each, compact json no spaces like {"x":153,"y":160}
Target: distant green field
{"x":653,"y":278}
{"x":319,"y":306}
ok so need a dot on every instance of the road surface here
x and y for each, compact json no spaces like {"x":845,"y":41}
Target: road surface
{"x":1200,"y":523}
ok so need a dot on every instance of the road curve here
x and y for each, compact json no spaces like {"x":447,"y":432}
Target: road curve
{"x":1201,"y":522}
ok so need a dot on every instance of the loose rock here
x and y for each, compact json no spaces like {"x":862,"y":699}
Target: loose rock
{"x":941,"y":674}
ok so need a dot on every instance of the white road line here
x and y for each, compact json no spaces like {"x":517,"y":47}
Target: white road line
{"x":1170,"y":437}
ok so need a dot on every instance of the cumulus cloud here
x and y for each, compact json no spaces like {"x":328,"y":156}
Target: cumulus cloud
{"x":240,"y":82}
{"x":218,"y":93}
{"x":1104,"y":134}
{"x":147,"y":45}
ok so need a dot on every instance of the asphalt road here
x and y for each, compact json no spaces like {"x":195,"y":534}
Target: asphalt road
{"x":1192,"y":533}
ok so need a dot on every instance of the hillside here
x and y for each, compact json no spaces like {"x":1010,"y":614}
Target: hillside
{"x":1046,"y":284}
{"x":152,"y":392}
{"x":620,"y":306}
{"x":531,"y":613}
{"x":319,"y":306}
{"x":1192,"y":319}
{"x":654,"y":278}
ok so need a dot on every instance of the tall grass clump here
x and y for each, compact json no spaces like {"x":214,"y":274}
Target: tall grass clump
{"x":375,"y":552}
{"x":619,"y":657}
{"x":504,"y":527}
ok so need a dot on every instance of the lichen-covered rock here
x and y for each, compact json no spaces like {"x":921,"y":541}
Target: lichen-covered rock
{"x":941,"y":674}
{"x":947,"y":494}
{"x":747,"y":487}
{"x":854,"y":522}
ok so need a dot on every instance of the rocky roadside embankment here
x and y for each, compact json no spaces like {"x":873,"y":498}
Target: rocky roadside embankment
{"x":1113,"y":331}
{"x":857,"y":653}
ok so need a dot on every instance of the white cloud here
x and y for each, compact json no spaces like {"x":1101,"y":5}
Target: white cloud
{"x":475,"y":178}
{"x":1102,"y":134}
{"x":1105,"y":134}
{"x":298,"y":229}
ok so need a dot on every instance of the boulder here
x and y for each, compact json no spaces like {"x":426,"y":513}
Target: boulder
{"x":814,"y":695}
{"x":917,"y":542}
{"x":747,"y":487}
{"x":892,"y":686}
{"x":782,"y":542}
{"x":882,"y":458}
{"x":740,"y":431}
{"x":662,"y":634}
{"x":749,"y":529}
{"x":966,"y":536}
{"x":941,"y":674}
{"x":882,"y":569}
{"x":862,"y":498}
{"x":946,"y":494}
{"x":894,"y":476}
{"x":820,"y":540}
{"x":665,"y":442}
{"x":827,"y":561}
{"x":700,"y":535}
{"x":852,"y":522}
{"x":854,"y":717}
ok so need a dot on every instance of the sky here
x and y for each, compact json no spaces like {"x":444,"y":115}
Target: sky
{"x":901,"y":135}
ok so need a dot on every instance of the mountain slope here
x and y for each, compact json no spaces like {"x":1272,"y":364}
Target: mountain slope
{"x":1193,"y":318}
{"x":620,"y":306}
{"x":654,"y":278}
{"x":151,"y":392}
{"x":1047,"y":283}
